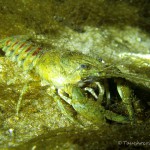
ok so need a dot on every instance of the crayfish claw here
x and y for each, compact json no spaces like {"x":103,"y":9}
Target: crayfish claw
{"x":92,"y":110}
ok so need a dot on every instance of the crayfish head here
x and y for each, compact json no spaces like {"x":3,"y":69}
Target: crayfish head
{"x":78,"y":66}
{"x":62,"y":68}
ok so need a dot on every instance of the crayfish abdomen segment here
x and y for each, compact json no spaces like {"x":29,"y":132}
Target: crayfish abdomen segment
{"x":20,"y":51}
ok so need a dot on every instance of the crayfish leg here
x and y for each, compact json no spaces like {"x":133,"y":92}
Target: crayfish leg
{"x":23,"y":91}
{"x":63,"y":102}
{"x":126,"y":95}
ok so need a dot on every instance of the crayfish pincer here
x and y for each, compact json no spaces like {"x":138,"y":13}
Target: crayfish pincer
{"x":93,"y":110}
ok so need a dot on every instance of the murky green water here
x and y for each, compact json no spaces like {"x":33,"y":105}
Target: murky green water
{"x":110,"y":30}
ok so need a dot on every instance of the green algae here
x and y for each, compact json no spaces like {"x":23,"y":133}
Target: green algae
{"x":40,"y":123}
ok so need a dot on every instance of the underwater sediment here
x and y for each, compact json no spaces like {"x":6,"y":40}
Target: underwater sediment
{"x":119,"y":39}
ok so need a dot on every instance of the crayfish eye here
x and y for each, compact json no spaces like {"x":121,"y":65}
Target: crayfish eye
{"x":84,"y":66}
{"x":101,"y":60}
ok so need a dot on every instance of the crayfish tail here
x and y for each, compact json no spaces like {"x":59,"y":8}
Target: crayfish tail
{"x":20,"y":50}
